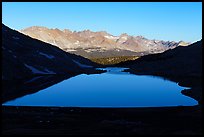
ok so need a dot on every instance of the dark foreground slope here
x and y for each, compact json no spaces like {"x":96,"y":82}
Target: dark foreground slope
{"x":101,"y":121}
{"x":27,"y":57}
{"x":182,"y":65}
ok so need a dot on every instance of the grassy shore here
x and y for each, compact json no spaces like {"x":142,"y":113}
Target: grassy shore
{"x":113,"y":60}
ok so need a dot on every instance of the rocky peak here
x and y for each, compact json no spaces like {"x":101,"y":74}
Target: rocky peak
{"x":140,"y":37}
{"x":100,"y":41}
{"x":124,"y":35}
{"x":85,"y":31}
{"x":67,"y":31}
{"x":33,"y":28}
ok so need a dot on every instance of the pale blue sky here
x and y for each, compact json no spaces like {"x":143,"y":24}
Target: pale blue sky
{"x":153,"y":20}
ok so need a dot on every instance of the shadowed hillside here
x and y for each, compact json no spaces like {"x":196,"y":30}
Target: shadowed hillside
{"x":182,"y":65}
{"x":24,"y":56}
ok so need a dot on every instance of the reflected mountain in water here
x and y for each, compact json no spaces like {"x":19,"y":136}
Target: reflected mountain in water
{"x":13,"y":89}
{"x":115,"y":88}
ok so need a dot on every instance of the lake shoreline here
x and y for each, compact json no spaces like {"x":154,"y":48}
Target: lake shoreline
{"x":175,"y":120}
{"x":193,"y":82}
{"x":114,"y":89}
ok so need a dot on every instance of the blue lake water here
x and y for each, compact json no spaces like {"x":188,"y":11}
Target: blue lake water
{"x":111,"y":89}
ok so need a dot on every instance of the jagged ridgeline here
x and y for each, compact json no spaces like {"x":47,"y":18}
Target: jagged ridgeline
{"x":101,"y":46}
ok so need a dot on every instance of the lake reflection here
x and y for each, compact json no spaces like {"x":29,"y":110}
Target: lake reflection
{"x":111,"y":89}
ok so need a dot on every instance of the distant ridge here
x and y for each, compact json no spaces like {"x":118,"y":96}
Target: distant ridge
{"x":100,"y":44}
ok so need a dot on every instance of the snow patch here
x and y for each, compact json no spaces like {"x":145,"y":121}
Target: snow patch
{"x":16,"y":38}
{"x":77,"y":42}
{"x":95,"y":50}
{"x":124,"y":37}
{"x":46,"y":55}
{"x":70,"y":50}
{"x":36,"y":71}
{"x":82,"y":65}
{"x":53,"y":42}
{"x":33,"y":79}
{"x":111,"y":37}
{"x":50,"y":72}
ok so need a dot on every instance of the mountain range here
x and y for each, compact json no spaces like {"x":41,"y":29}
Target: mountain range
{"x":100,"y":44}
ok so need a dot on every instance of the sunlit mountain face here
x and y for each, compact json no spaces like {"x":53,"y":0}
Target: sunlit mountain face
{"x":100,"y":44}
